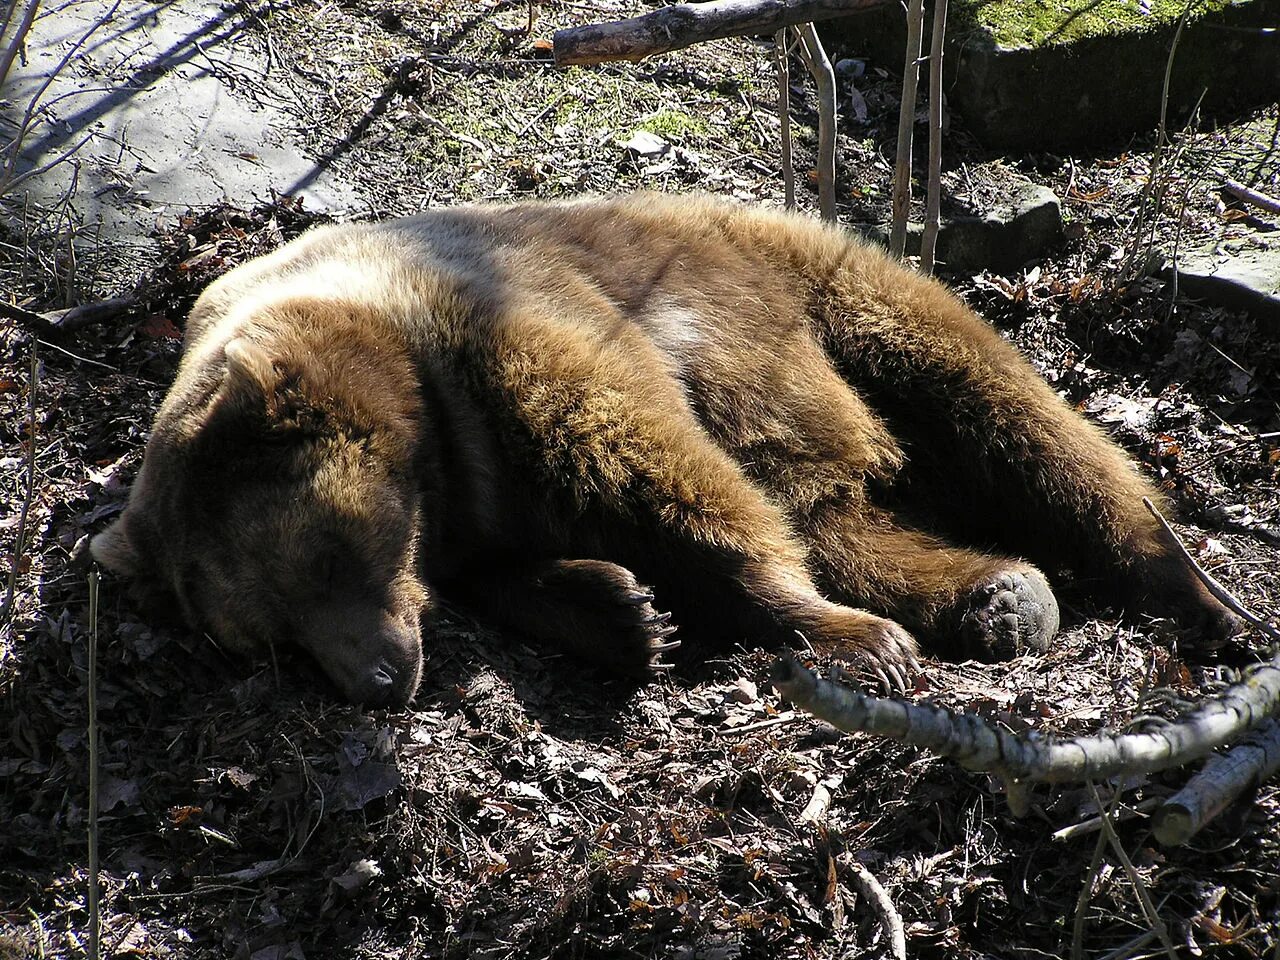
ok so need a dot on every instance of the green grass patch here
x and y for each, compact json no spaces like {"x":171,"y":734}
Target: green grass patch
{"x":1034,"y":23}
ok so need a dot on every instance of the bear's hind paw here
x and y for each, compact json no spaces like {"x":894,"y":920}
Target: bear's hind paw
{"x":1008,"y":615}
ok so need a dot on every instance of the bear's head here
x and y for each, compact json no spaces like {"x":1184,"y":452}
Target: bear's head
{"x":277,"y":501}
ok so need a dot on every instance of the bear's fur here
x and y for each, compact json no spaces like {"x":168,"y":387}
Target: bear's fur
{"x":780,"y":429}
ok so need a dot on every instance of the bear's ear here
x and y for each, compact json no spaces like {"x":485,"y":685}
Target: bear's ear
{"x":249,"y":367}
{"x":115,"y":549}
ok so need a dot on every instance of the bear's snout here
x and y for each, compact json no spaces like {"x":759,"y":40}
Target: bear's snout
{"x":373,"y":656}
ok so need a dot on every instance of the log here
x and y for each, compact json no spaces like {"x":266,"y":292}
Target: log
{"x":684,"y":24}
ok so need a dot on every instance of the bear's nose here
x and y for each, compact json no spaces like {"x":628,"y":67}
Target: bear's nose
{"x":382,"y":686}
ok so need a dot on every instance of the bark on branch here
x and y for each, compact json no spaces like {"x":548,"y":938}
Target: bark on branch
{"x":684,"y":24}
{"x":977,"y":745}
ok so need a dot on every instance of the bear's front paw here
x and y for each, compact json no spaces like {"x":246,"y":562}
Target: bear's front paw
{"x":878,"y":647}
{"x":1008,"y":615}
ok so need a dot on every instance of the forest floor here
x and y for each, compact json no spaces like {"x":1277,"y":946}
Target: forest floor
{"x":522,"y":807}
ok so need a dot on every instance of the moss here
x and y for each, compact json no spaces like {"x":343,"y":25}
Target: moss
{"x":1033,"y":23}
{"x":674,"y":125}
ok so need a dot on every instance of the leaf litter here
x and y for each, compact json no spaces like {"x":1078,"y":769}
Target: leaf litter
{"x":525,"y":808}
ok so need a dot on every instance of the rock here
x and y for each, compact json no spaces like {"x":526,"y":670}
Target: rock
{"x":162,"y":129}
{"x":1085,"y":71}
{"x":1020,"y":227}
{"x":1241,"y":276}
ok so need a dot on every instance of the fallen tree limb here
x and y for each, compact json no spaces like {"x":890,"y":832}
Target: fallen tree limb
{"x":1212,"y":790}
{"x":684,"y":24}
{"x":70,"y":319}
{"x":1249,"y":195}
{"x":1029,"y":758}
{"x":1220,"y":593}
{"x":882,"y":905}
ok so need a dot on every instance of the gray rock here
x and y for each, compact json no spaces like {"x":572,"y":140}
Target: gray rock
{"x":1244,"y":276}
{"x":1018,"y":228}
{"x":1059,"y":96}
{"x":176,"y":108}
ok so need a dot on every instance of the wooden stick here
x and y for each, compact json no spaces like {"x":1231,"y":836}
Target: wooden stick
{"x":1223,"y":778}
{"x":882,"y":905}
{"x":933,"y":206}
{"x":819,"y":65}
{"x":1220,"y":593}
{"x":780,"y":44}
{"x":1249,"y":195}
{"x":684,"y":24}
{"x":906,"y":124}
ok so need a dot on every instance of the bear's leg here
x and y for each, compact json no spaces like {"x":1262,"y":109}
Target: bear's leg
{"x":593,"y":609}
{"x":959,"y":602}
{"x":993,"y":454}
{"x":626,"y":472}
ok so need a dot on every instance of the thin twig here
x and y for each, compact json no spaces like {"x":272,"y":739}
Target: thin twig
{"x":1086,"y":891}
{"x":1139,"y":885}
{"x":94,"y":918}
{"x":1094,"y":824}
{"x":781,"y":46}
{"x":1220,"y":593}
{"x":20,"y":537}
{"x":906,"y":124}
{"x":933,"y":205}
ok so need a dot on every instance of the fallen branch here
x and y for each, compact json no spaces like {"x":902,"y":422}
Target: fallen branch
{"x":1220,"y":593}
{"x":1023,"y":759}
{"x":1249,"y":195}
{"x":1223,"y":778}
{"x":72,"y":318}
{"x":684,"y":24}
{"x":882,"y":905}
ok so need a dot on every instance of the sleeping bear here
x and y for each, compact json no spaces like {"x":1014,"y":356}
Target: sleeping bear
{"x":575,"y":417}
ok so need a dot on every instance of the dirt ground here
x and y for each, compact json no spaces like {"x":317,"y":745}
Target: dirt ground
{"x":522,"y":807}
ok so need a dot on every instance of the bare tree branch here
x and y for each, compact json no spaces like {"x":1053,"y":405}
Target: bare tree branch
{"x":684,"y":24}
{"x":906,"y":124}
{"x":819,"y":65}
{"x":977,"y":745}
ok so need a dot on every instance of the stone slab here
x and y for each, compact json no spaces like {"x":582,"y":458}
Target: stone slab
{"x":163,"y":94}
{"x":1017,"y":228}
{"x":1240,"y":276}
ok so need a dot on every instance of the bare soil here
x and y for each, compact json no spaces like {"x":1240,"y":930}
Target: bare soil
{"x":523,"y":807}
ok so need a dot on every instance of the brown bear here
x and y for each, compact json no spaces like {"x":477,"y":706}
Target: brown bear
{"x":534,"y":409}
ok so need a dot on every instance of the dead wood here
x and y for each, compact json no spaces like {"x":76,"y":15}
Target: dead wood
{"x":682,"y":25}
{"x":819,"y":65}
{"x":1022,"y":759}
{"x":1249,"y":195}
{"x":906,"y":126}
{"x":1225,"y":776}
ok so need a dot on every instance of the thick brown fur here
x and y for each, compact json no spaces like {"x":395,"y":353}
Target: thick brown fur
{"x":537,"y":408}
